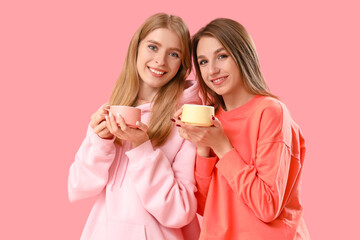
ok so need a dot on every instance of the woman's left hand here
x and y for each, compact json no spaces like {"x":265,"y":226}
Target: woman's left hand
{"x":136,"y":136}
{"x":213,"y":136}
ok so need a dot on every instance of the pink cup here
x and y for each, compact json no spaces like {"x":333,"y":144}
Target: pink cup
{"x":130,"y":114}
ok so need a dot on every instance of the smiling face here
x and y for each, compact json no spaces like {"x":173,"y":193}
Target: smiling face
{"x":218,"y":69}
{"x":158,"y":60}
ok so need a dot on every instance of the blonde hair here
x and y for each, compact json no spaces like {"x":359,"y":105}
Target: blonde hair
{"x":238,"y":43}
{"x":164,"y":104}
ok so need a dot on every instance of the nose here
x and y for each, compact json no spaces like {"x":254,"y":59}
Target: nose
{"x":213,"y":68}
{"x":160,"y":58}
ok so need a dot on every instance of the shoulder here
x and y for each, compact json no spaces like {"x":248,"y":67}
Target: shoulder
{"x":271,"y":108}
{"x":275,"y":121}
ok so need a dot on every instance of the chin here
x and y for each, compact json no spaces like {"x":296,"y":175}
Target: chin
{"x":218,"y":91}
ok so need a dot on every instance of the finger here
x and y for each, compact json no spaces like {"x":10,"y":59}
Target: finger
{"x":142,"y":126}
{"x":183,"y":134}
{"x":111,"y":123}
{"x":121,"y":122}
{"x":98,"y":117}
{"x":177,"y":114}
{"x":106,"y":107}
{"x":108,"y":124}
{"x":105,"y":133}
{"x":113,"y":126}
{"x":216,"y":122}
{"x":100,"y":127}
{"x":114,"y":121}
{"x":94,"y":120}
{"x":187,"y":127}
{"x":188,"y":131}
{"x":180,"y":123}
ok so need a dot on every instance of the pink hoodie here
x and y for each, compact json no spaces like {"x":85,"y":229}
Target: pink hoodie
{"x":142,"y":193}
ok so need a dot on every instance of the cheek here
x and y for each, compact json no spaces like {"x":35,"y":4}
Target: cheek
{"x":137,"y":66}
{"x":203,"y":73}
{"x":175,"y":65}
{"x":204,"y":77}
{"x":143,"y":56}
{"x":139,"y":59}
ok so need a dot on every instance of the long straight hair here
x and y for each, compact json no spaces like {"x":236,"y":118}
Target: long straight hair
{"x":238,"y":43}
{"x":164,"y":104}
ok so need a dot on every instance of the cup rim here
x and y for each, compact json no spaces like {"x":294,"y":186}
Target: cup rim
{"x":123,"y":106}
{"x":197,"y":105}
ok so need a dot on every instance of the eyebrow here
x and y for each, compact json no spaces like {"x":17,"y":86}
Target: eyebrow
{"x":215,"y":52}
{"x":159,"y":44}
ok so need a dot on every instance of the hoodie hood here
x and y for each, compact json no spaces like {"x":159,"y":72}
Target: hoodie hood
{"x":191,"y":93}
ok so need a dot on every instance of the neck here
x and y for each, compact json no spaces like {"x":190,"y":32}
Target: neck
{"x":146,"y":93}
{"x":237,"y":99}
{"x":141,"y":102}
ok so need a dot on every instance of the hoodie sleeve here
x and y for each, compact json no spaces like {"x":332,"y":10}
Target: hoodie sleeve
{"x":263,"y":185}
{"x":166,"y":190}
{"x":89,"y":173}
{"x":203,"y":174}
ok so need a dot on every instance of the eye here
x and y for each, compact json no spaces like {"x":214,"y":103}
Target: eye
{"x":221,"y":56}
{"x":202,"y":62}
{"x":152,"y":47}
{"x":174,"y":54}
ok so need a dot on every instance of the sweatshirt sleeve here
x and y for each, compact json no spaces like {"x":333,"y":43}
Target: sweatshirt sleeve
{"x":262,"y":185}
{"x":166,"y":190}
{"x":88,"y":174}
{"x":203,"y":175}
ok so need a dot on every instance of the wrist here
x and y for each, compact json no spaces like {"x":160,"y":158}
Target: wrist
{"x":138,"y":143}
{"x":222,"y":149}
{"x":106,"y":137}
{"x":203,"y":151}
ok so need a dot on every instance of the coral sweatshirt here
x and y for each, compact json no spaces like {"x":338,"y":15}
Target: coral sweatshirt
{"x":253,"y":191}
{"x":142,"y":192}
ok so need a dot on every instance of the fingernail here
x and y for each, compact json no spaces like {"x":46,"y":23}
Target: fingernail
{"x":213,"y":118}
{"x":106,"y":117}
{"x":110,"y":114}
{"x":172,"y":120}
{"x":178,"y":125}
{"x":179,"y":118}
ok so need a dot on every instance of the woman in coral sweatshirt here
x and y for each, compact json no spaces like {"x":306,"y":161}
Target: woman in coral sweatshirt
{"x":249,"y":163}
{"x":143,"y":177}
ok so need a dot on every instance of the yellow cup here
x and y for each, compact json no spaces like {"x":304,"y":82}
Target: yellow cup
{"x":198,"y":115}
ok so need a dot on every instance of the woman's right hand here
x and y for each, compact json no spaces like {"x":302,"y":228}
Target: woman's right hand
{"x":98,"y":122}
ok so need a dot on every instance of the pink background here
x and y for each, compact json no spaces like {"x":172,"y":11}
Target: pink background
{"x":59,"y":61}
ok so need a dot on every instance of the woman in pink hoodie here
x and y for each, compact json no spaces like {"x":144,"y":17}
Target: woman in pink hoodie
{"x":143,"y":178}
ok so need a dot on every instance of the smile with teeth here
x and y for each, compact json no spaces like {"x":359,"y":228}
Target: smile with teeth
{"x":218,"y":80}
{"x":156,"y":71}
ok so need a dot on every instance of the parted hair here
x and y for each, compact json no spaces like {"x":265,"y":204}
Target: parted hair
{"x":164,"y":104}
{"x":239,"y":44}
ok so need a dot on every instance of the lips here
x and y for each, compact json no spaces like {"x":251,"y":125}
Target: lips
{"x":156,"y":72}
{"x":218,"y":81}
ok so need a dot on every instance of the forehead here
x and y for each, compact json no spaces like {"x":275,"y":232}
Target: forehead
{"x":165,"y":37}
{"x":208,"y":45}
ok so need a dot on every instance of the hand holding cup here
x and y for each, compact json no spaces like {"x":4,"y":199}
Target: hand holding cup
{"x":198,"y":125}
